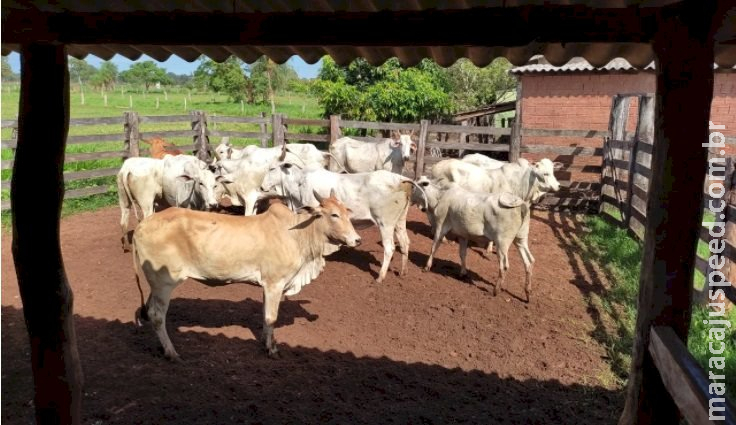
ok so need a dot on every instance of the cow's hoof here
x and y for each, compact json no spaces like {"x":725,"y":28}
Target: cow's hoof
{"x":140,"y":317}
{"x":173,"y":357}
{"x":378,"y":280}
{"x":425,"y":269}
{"x":273,"y":353}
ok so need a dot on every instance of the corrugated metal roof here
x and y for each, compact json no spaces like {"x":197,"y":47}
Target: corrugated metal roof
{"x":598,"y":54}
{"x":538,"y":64}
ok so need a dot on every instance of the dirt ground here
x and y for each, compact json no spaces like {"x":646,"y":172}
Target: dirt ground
{"x":424,"y":349}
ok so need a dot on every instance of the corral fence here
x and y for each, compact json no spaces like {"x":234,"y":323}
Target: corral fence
{"x":625,"y":177}
{"x":434,"y":141}
{"x":626,"y":173}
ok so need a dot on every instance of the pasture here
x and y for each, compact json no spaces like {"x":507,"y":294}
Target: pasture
{"x":292,"y":104}
{"x":426,"y":348}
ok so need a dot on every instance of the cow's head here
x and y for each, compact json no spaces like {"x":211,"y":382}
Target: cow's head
{"x":334,"y":220}
{"x":279,"y":176}
{"x":545,"y":173}
{"x":224,"y":151}
{"x":404,"y":143}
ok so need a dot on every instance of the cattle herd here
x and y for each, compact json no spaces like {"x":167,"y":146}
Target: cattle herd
{"x":300,"y":205}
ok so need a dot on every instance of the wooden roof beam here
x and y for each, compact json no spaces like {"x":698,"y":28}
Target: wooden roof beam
{"x":481,"y":27}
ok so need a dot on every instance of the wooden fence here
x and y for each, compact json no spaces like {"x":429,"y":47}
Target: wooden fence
{"x":625,"y":176}
{"x":434,"y":141}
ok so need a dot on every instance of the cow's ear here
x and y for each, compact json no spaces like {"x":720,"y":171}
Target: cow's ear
{"x":332,"y":193}
{"x":413,"y":147}
{"x":223,"y":180}
{"x":184,"y":178}
{"x":315,"y":212}
{"x":557,"y":166}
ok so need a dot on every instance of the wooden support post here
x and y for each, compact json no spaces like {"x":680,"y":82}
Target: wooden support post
{"x":421,"y":147}
{"x":132,"y":134}
{"x":44,"y":288}
{"x":277,"y":128}
{"x":264,"y":131}
{"x":201,"y":139}
{"x":335,"y":134}
{"x":515,"y":142}
{"x":684,"y":66}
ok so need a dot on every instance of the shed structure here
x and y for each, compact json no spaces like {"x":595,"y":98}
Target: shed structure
{"x":578,"y":96}
{"x":683,"y":37}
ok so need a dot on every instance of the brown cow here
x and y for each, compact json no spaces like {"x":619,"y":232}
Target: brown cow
{"x":279,"y":250}
{"x":160,"y":147}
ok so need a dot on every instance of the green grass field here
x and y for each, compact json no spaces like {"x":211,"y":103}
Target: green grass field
{"x":620,"y":256}
{"x":151,"y":104}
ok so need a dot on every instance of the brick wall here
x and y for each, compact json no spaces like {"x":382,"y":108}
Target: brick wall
{"x":583,"y":102}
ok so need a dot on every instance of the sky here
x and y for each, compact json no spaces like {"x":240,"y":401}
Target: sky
{"x":177,"y":65}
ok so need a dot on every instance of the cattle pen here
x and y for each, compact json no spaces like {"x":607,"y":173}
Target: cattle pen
{"x":199,"y":132}
{"x":684,"y":37}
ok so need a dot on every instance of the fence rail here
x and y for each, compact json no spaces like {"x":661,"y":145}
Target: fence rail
{"x":274,"y":131}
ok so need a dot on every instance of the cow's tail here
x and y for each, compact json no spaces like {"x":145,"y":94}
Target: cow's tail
{"x":421,"y":189}
{"x":142,"y":313}
{"x":126,"y":188}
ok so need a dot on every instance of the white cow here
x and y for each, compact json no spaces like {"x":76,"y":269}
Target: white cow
{"x":278,"y":250}
{"x":243,"y":176}
{"x":306,"y":153}
{"x":356,"y":156}
{"x":502,"y":218}
{"x":483,"y":161}
{"x":378,"y":197}
{"x":528,"y":181}
{"x":181,"y":180}
{"x":465,"y":174}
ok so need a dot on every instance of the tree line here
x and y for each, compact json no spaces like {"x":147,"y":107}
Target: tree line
{"x":391,"y":92}
{"x":361,"y":91}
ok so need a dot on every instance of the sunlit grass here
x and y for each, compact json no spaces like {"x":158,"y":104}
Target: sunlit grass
{"x":620,"y":255}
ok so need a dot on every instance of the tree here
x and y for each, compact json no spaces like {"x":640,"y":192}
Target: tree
{"x":179,"y":79}
{"x":106,"y":76}
{"x":145,"y":73}
{"x":270,"y":77}
{"x":388,"y":92}
{"x":228,"y":77}
{"x":80,"y":70}
{"x":472,"y":86}
{"x":7,"y":72}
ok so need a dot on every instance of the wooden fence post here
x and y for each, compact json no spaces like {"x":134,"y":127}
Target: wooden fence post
{"x":277,"y":128}
{"x":201,"y":140}
{"x":335,"y":134}
{"x":630,"y":187}
{"x":132,"y":134}
{"x":264,"y":130}
{"x":515,"y":142}
{"x":730,"y":235}
{"x":421,"y":145}
{"x":617,"y":130}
